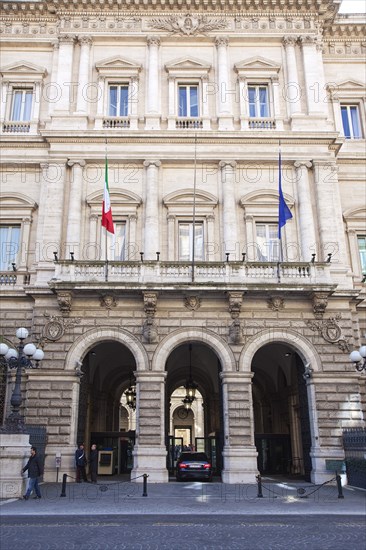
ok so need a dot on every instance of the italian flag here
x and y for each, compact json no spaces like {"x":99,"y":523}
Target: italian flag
{"x":107,"y":220}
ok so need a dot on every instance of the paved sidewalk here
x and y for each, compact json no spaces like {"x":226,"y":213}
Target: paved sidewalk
{"x":123,"y":497}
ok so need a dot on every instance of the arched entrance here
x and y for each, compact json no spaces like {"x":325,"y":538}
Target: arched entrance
{"x":104,"y":416}
{"x":197,"y":425}
{"x":281,"y":412}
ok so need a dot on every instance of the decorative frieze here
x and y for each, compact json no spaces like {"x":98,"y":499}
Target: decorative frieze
{"x":188,"y":24}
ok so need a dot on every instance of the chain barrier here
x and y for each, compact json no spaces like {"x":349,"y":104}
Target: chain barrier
{"x":301,"y":491}
{"x":103,"y":488}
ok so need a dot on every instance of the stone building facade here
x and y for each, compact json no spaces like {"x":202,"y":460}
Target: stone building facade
{"x":190,"y":102}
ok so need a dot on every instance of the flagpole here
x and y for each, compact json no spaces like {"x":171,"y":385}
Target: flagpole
{"x":194,"y":204}
{"x":105,"y":229}
{"x":280,"y":252}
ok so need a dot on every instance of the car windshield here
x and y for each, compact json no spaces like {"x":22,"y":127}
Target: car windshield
{"x":193,"y":457}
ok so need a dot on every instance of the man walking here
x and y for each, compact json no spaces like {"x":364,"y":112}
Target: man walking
{"x":35,"y":470}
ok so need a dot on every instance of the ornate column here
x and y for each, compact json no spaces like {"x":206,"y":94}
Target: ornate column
{"x":149,"y":454}
{"x":239,"y":453}
{"x":151,"y":237}
{"x":83,"y":81}
{"x":315,"y":104}
{"x":4,"y":100}
{"x":292,"y":93}
{"x":224,"y":97}
{"x":52,"y":91}
{"x":331,"y":231}
{"x":230,"y":225}
{"x":152,"y":115}
{"x":75,"y":207}
{"x":64,"y":73}
{"x":306,"y":217}
{"x":50,"y":213}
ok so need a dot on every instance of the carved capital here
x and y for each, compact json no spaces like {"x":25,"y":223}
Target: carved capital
{"x":85,"y":40}
{"x":235,"y":303}
{"x":148,"y":163}
{"x":67,"y":39}
{"x":64,"y":300}
{"x":308,"y":40}
{"x":301,"y":163}
{"x":153,"y":41}
{"x":320,"y":302}
{"x":289,"y":40}
{"x":227,"y":163}
{"x":221,"y":41}
{"x":73,"y":162}
{"x":150,"y":303}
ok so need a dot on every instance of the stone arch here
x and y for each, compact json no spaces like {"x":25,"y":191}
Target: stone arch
{"x":296,"y":341}
{"x":181,"y":336}
{"x":87,"y":341}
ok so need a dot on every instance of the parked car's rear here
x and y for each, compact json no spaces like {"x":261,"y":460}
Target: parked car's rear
{"x":194,"y":465}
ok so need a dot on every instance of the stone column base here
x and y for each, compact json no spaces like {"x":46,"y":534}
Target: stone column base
{"x":320,"y":474}
{"x":14,"y":452}
{"x":240,"y":465}
{"x":151,"y":461}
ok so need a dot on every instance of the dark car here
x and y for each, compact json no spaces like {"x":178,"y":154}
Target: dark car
{"x":191,"y":465}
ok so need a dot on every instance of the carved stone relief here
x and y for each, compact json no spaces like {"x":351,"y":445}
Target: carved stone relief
{"x":192,"y":302}
{"x":330,"y":330}
{"x":188,"y":24}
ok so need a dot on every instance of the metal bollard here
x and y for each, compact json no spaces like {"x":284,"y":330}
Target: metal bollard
{"x":259,"y":482}
{"x":339,"y":486}
{"x":63,"y":490}
{"x":144,"y":490}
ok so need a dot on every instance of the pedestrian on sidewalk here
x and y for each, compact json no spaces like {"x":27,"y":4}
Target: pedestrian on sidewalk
{"x":93,"y":463}
{"x":80,"y":463}
{"x":35,"y":470}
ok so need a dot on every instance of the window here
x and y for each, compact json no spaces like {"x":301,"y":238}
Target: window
{"x":267,"y":242}
{"x":116,"y":243}
{"x":351,"y":121}
{"x":21,"y":107}
{"x":9,"y":246}
{"x":186,"y":241}
{"x":258,"y":101}
{"x":118,"y":100}
{"x":188,"y":100}
{"x":362,"y":249}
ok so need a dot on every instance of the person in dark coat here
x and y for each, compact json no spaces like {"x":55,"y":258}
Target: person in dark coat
{"x":93,"y":463}
{"x":35,"y":470}
{"x":80,"y":463}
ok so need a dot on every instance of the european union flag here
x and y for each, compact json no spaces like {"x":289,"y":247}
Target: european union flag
{"x":284,"y":212}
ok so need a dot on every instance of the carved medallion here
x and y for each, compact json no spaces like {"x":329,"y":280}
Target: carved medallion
{"x":275,"y":303}
{"x":108,"y":301}
{"x":53,"y":331}
{"x":192,"y":303}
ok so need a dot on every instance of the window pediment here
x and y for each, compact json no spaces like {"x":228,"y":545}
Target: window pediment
{"x":257,"y":67}
{"x":117,"y":196}
{"x":262,"y":199}
{"x":348,"y":85}
{"x":16,"y":205}
{"x":185,"y":197}
{"x":187,"y":66}
{"x":23,"y":70}
{"x":118,"y":66}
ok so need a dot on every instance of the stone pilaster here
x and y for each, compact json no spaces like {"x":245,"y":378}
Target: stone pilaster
{"x":151,"y":239}
{"x":229,"y":208}
{"x":83,"y":81}
{"x":73,"y":234}
{"x":225,"y":91}
{"x":314,"y":93}
{"x":306,"y":216}
{"x":64,"y":74}
{"x":239,"y":453}
{"x":152,"y":114}
{"x":293,"y":89}
{"x":150,"y":450}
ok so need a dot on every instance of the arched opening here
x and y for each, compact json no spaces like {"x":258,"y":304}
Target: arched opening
{"x":104,"y":415}
{"x":197,"y":426}
{"x":281,"y":412}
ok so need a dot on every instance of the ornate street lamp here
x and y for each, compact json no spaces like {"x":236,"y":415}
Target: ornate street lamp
{"x":130,"y":394}
{"x":358,"y":358}
{"x":18,"y":359}
{"x":190,"y":386}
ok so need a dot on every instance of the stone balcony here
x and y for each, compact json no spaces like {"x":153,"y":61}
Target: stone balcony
{"x":174,"y":275}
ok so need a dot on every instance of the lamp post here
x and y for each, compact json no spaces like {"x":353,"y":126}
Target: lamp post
{"x":19,"y":358}
{"x":190,"y":386}
{"x":358,"y":358}
{"x":130,"y":394}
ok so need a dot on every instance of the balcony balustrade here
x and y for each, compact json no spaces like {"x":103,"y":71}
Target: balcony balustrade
{"x":16,"y":127}
{"x":165,"y":274}
{"x":262,"y":124}
{"x":116,"y":122}
{"x":188,"y":123}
